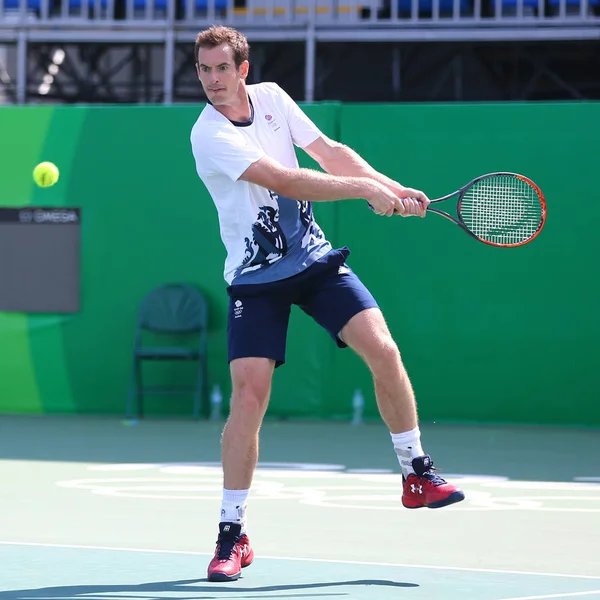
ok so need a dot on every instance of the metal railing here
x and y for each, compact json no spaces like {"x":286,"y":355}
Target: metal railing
{"x":169,"y":22}
{"x":296,"y":13}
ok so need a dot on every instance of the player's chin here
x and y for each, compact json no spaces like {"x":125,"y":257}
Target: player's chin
{"x":217,"y":96}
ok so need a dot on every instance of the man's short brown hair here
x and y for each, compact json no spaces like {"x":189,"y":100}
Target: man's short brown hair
{"x":219,"y":34}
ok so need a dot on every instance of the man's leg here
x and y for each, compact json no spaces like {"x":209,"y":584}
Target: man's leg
{"x":256,"y":337}
{"x":251,"y":388}
{"x":368,"y":335}
{"x":341,"y":303}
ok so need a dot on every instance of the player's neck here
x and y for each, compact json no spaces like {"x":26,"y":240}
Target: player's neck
{"x":239,"y":110}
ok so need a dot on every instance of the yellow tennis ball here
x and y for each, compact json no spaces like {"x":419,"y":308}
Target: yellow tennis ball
{"x":45,"y":174}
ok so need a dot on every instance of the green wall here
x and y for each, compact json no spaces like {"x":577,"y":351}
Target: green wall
{"x":486,"y":334}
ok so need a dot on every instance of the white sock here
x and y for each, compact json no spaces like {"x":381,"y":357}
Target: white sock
{"x":233,"y":507}
{"x":407,"y":446}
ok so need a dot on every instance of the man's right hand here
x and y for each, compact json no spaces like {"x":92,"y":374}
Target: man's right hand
{"x":382,"y":200}
{"x":385,"y":202}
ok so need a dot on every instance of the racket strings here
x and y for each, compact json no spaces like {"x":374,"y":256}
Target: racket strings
{"x":502,"y":209}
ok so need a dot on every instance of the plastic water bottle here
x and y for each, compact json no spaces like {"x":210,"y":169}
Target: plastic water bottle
{"x":358,"y":405}
{"x":216,"y":400}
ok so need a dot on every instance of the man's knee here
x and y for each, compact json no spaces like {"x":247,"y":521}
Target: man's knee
{"x":251,"y":382}
{"x":368,"y":334}
{"x":383,"y":348}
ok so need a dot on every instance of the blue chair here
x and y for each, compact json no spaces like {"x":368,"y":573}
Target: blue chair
{"x":576,"y":3}
{"x":426,"y":6}
{"x":511,"y":5}
{"x":159,"y":5}
{"x":31,"y":4}
{"x":203,"y":4}
{"x":138,"y":5}
{"x":91,"y":4}
{"x":526,"y":3}
{"x":534,"y":4}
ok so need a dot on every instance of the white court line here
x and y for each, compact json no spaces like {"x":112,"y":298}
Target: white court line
{"x":370,"y":471}
{"x":565,"y":595}
{"x":319,"y":560}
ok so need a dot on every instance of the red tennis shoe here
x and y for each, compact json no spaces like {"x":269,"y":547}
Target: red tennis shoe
{"x":425,"y":488}
{"x":232,"y":554}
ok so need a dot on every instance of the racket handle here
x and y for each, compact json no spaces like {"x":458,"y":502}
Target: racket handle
{"x":371,"y":206}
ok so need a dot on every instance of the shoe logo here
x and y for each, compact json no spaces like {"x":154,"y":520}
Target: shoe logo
{"x":226,"y":528}
{"x":416,"y":488}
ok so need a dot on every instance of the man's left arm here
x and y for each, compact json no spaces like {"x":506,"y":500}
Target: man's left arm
{"x":338,"y":159}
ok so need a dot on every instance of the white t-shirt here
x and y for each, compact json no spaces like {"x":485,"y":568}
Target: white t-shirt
{"x":267,"y":237}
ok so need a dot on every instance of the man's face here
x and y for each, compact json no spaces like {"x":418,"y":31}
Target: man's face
{"x":218,"y":74}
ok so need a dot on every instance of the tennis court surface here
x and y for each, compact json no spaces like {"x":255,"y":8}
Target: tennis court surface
{"x":95,"y":509}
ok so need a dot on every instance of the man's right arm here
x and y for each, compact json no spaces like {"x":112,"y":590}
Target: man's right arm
{"x":314,"y":186}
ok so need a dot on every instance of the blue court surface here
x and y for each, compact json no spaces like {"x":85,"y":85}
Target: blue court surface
{"x":93,"y":509}
{"x":60,"y":573}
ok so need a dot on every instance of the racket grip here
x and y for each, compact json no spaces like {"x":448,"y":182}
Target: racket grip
{"x":371,"y":206}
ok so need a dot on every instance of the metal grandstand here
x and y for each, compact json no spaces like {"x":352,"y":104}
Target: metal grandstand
{"x":142,"y":50}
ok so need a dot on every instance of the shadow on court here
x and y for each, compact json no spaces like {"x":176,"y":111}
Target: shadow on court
{"x":192,"y":587}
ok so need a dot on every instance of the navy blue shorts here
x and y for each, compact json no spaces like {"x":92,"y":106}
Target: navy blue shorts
{"x":258,"y":317}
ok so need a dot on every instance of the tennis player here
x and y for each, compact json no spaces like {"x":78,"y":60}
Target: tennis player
{"x":277,"y":256}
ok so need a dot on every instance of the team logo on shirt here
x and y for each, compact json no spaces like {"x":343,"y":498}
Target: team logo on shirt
{"x":272,"y":122}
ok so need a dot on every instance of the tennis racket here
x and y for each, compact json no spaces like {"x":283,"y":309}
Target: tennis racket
{"x":499,"y":209}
